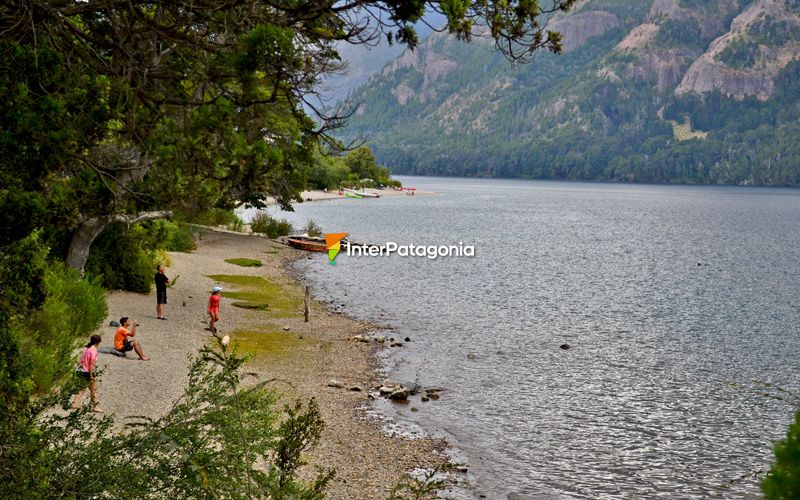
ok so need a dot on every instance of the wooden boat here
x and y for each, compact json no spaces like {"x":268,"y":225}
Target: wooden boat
{"x":308,"y":243}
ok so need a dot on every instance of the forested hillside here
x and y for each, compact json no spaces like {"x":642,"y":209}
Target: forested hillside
{"x":684,"y":91}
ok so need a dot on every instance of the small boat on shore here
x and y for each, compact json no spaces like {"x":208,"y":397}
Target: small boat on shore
{"x":361,"y":194}
{"x":307,"y":243}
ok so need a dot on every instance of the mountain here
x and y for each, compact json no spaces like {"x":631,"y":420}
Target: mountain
{"x":687,"y":91}
{"x":365,"y":60}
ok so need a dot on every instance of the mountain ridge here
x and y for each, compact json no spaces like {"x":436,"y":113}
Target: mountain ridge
{"x":691,"y":91}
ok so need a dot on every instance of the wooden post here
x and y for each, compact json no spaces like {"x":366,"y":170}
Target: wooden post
{"x":305,"y":304}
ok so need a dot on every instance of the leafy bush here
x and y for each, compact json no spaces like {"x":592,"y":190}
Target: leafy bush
{"x":183,"y":239}
{"x":219,"y":440}
{"x":124,"y":257}
{"x":72,"y":310}
{"x":312,"y":228}
{"x":167,"y":235}
{"x":783,"y":480}
{"x":44,"y":310}
{"x":263,"y":223}
{"x":120,"y":258}
{"x":213,"y":217}
{"x":237,"y":224}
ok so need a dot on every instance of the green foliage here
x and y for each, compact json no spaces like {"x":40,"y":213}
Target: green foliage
{"x":740,"y":54}
{"x":45,"y":307}
{"x":774,"y":32}
{"x":783,"y":480}
{"x":222,"y":438}
{"x":213,"y":217}
{"x":44,"y":310}
{"x":48,"y":114}
{"x":122,"y":259}
{"x":264,"y":223}
{"x":163,"y":234}
{"x":236,"y":225}
{"x":72,"y":310}
{"x":361,"y":163}
{"x":357,"y":168}
{"x":327,"y":172}
{"x":241,"y":261}
{"x":180,"y":238}
{"x":312,"y":228}
{"x":684,"y":33}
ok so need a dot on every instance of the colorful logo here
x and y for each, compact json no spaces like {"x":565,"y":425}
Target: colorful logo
{"x":333,"y":242}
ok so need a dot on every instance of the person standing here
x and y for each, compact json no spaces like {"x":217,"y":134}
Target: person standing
{"x":213,"y":307}
{"x":121,"y":342}
{"x":161,"y":291}
{"x":86,"y":371}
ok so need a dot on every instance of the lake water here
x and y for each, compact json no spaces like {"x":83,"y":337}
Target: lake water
{"x":671,"y":385}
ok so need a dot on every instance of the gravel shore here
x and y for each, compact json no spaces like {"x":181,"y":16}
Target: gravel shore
{"x":301,"y":357}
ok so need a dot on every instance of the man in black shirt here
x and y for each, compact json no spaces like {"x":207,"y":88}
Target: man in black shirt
{"x":161,"y":291}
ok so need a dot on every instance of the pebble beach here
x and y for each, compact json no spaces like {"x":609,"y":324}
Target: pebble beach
{"x":300,"y":358}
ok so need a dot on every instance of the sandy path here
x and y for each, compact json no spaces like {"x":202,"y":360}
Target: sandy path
{"x":368,"y":462}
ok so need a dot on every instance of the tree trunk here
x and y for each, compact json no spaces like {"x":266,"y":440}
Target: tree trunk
{"x":89,"y":229}
{"x":82,"y":240}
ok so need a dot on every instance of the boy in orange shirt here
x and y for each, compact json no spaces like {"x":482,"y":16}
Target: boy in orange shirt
{"x":121,"y":342}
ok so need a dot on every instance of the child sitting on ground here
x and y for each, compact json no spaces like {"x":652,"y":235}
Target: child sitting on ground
{"x":121,"y":342}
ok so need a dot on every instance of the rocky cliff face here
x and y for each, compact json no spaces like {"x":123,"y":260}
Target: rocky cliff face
{"x":578,"y":28}
{"x":766,"y":56}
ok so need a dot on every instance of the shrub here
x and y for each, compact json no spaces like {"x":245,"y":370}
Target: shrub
{"x":72,"y":310}
{"x":44,"y":310}
{"x":265,"y":224}
{"x":120,"y":259}
{"x":213,"y":217}
{"x":220,"y":439}
{"x":164,"y":234}
{"x":783,"y":480}
{"x":183,"y":239}
{"x":124,"y":257}
{"x":312,"y":228}
{"x":237,"y":224}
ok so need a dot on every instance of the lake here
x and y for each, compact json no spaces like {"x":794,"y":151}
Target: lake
{"x":679,"y":304}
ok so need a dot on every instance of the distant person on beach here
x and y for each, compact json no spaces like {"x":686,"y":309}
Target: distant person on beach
{"x":213,"y":307}
{"x":161,"y":291}
{"x":86,"y":368}
{"x":121,"y":342}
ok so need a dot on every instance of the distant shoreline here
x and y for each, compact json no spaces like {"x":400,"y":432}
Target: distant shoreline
{"x":321,"y":195}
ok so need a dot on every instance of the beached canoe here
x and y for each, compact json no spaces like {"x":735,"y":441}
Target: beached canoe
{"x":308,"y":243}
